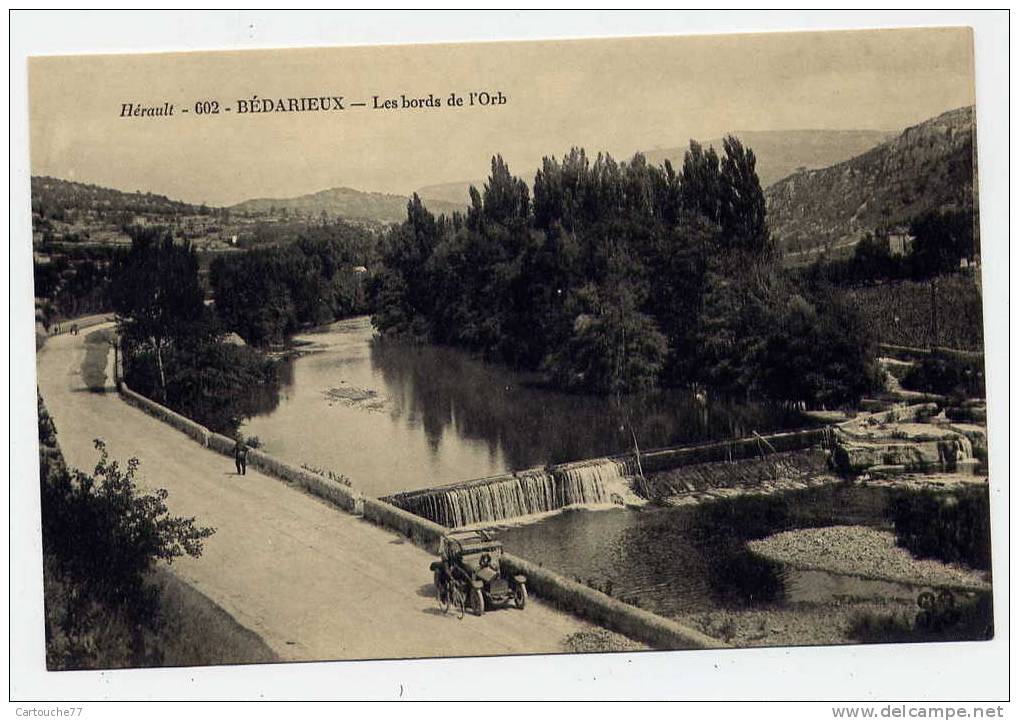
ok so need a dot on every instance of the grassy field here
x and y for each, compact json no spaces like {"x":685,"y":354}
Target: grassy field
{"x":900,"y":312}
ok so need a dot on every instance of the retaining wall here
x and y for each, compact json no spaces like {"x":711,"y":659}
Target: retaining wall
{"x":577,"y":599}
{"x":187,"y":426}
{"x":336,"y":493}
{"x":656,"y":631}
{"x":420,"y":531}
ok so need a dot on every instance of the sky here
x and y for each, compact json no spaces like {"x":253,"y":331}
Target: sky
{"x":614,"y":95}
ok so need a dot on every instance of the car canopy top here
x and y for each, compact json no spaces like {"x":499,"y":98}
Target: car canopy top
{"x":470,"y":542}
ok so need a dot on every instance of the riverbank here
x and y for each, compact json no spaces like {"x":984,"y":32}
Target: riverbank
{"x":833,"y":623}
{"x":886,"y":606}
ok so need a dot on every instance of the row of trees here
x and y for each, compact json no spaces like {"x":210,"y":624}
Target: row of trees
{"x":174,"y":346}
{"x":616,"y":277}
{"x":266,"y":294}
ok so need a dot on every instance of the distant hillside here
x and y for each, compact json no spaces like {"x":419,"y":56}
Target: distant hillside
{"x":64,"y":211}
{"x":53,"y":196}
{"x":929,"y":166}
{"x":345,"y":203}
{"x":783,"y":152}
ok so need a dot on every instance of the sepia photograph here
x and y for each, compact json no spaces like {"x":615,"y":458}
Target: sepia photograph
{"x":577,"y":346}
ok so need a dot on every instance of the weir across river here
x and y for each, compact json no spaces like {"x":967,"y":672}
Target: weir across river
{"x":595,"y":482}
{"x":601,"y":481}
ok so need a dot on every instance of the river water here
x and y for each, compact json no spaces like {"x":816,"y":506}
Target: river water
{"x":684,"y":560}
{"x":394,"y":418}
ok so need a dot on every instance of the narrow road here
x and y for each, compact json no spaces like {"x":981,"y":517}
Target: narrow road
{"x":314,"y":582}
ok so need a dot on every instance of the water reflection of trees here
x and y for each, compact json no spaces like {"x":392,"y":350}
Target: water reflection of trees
{"x":263,"y":398}
{"x":441,"y":388}
{"x":738,"y":577}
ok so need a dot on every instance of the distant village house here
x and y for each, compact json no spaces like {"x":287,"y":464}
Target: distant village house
{"x":900,"y":241}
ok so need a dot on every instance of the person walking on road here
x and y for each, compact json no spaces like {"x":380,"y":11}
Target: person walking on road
{"x":241,"y":456}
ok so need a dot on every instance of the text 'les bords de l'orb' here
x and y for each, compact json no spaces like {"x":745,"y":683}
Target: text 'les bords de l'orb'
{"x":322,"y":103}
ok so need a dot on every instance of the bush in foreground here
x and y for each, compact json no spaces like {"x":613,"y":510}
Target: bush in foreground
{"x":102,"y":537}
{"x":951,"y":527}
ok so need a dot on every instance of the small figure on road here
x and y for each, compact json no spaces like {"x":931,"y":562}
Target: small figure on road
{"x":241,"y":456}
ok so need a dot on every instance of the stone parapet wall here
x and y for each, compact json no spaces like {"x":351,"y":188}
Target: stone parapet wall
{"x":581,"y":601}
{"x":336,"y":493}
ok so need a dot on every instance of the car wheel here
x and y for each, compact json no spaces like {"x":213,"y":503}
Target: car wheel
{"x":477,"y":602}
{"x":520,"y":596}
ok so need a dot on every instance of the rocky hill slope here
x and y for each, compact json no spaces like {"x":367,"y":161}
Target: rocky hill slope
{"x":930,"y":166}
{"x":783,"y":152}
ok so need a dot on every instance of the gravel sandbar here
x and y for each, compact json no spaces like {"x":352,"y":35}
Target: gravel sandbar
{"x":865,"y":552}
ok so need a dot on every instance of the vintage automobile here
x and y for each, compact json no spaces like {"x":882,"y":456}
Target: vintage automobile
{"x":469,"y":571}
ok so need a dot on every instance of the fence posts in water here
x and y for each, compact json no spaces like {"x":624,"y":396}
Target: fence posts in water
{"x":645,"y":490}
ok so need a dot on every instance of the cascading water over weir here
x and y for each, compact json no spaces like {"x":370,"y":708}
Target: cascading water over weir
{"x":601,"y":481}
{"x":595,"y":482}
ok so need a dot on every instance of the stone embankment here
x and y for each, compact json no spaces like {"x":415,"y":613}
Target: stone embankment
{"x":318,"y":485}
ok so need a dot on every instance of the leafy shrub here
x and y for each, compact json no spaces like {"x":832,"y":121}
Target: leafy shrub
{"x":101,"y":539}
{"x":819,"y":353}
{"x":213,"y":383}
{"x":952,"y":527}
{"x":105,"y":533}
{"x":946,"y":376}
